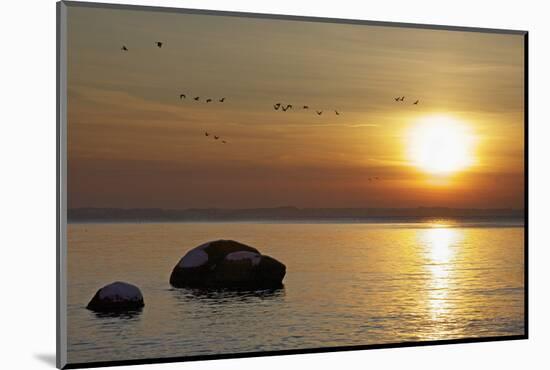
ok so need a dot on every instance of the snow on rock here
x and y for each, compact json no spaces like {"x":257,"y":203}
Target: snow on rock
{"x":117,"y":296}
{"x":223,"y":264}
{"x":119,"y":291}
{"x":243,"y":255}
{"x":194,"y":258}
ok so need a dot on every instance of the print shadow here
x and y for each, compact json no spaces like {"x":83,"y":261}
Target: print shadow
{"x":47,"y":358}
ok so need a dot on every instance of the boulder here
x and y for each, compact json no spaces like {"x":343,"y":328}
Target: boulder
{"x":117,"y":296}
{"x":227,"y":264}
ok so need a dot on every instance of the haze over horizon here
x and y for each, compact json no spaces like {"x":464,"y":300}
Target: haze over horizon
{"x":302,"y":208}
{"x":133,"y":143}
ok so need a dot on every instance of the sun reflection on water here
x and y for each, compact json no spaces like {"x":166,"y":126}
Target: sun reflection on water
{"x":441,"y":243}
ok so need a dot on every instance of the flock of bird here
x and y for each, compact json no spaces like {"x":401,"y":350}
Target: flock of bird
{"x":157,"y":43}
{"x":284,"y":108}
{"x":402,"y":98}
{"x":208,"y":100}
{"x":206,"y":133}
{"x":277,"y":106}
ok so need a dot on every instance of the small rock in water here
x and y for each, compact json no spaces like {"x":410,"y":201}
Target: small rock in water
{"x":117,"y":296}
{"x":227,"y":264}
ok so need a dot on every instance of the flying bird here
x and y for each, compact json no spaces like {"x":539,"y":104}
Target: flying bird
{"x":305,"y":107}
{"x":319,"y":112}
{"x":337,"y":113}
{"x":159,"y":44}
{"x":196,"y":98}
{"x":397,"y":99}
{"x":124,"y":48}
{"x":222,"y":100}
{"x":216,"y":137}
{"x":287,"y":107}
{"x":208,"y":100}
{"x":206,"y":134}
{"x":182,"y":96}
{"x":276,"y":106}
{"x":224,"y":142}
{"x":416,"y":102}
{"x":402,"y":98}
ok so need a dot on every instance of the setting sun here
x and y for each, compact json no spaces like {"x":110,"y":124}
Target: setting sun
{"x":440,"y":145}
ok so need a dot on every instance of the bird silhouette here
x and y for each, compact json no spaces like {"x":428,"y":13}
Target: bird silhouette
{"x":416,"y":102}
{"x":124,"y":48}
{"x":224,"y":142}
{"x":216,"y":137}
{"x":287,"y":107}
{"x":397,"y":99}
{"x":402,"y":98}
{"x":337,"y":113}
{"x":319,"y":112}
{"x":305,"y":107}
{"x":208,"y":100}
{"x":206,"y":134}
{"x":182,"y":96}
{"x":276,"y":106}
{"x":222,"y":100}
{"x":196,"y":98}
{"x":159,"y":44}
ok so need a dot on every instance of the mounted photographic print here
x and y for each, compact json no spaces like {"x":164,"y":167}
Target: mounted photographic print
{"x":235,"y":184}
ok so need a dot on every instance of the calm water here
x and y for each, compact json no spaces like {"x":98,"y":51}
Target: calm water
{"x":346,"y":284}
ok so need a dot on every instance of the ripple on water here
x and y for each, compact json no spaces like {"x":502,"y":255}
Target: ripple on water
{"x":346,"y":284}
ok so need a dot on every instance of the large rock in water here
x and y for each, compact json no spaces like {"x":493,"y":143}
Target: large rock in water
{"x":227,"y":264}
{"x":117,"y":296}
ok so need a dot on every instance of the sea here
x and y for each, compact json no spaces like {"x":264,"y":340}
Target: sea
{"x":347,"y":283}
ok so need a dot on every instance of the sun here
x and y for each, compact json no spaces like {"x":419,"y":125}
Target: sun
{"x":440,"y":145}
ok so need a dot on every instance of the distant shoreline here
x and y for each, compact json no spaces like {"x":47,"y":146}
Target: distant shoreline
{"x":298,"y":215}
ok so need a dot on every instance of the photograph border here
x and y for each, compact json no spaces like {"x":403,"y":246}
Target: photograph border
{"x":61,"y":184}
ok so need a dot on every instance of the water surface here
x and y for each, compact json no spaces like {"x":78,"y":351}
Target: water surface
{"x":346,"y":284}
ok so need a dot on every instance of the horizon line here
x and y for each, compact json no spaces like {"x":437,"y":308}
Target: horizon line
{"x":304,"y":208}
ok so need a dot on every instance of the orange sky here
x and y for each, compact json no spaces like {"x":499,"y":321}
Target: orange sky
{"x":133,"y":143}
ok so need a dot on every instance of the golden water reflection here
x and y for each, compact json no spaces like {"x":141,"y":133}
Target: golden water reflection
{"x":441,"y":246}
